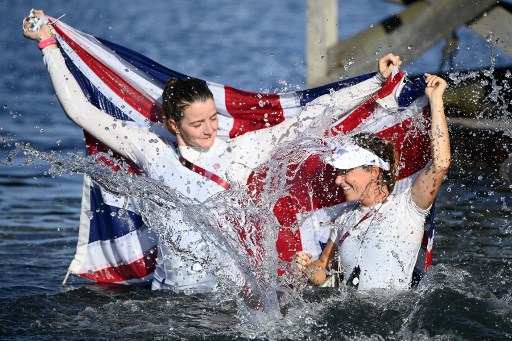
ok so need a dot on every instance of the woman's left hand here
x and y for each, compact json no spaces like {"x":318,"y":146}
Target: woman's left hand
{"x":302,"y":260}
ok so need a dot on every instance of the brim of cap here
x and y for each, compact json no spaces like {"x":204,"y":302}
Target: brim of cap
{"x":352,"y":156}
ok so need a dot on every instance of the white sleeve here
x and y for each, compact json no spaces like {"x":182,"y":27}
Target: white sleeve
{"x":334,"y":235}
{"x":255,"y":148}
{"x":413,"y":211}
{"x":102,"y":126}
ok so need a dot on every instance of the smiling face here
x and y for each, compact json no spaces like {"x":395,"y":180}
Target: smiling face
{"x":356,"y":182}
{"x":198,"y":127}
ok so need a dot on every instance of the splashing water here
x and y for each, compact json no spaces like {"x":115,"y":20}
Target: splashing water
{"x":267,"y":305}
{"x":236,"y":239}
{"x":234,"y":235}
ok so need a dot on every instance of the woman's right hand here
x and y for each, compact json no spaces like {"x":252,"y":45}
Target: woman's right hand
{"x":388,"y":63}
{"x":43,"y":33}
{"x":302,"y":260}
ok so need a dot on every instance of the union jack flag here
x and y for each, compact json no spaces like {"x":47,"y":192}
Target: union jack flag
{"x":128,"y":86}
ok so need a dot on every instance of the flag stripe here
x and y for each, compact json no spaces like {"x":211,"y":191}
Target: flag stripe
{"x":103,"y":228}
{"x":248,"y":108}
{"x":142,"y":268}
{"x":91,"y":84}
{"x":119,"y":251}
{"x":118,"y":85}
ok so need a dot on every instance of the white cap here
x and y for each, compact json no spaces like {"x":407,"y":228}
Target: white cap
{"x":349,"y":155}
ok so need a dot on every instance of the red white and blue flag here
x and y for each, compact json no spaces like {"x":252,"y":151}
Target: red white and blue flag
{"x":120,"y":248}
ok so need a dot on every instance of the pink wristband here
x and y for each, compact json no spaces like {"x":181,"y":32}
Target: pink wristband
{"x":47,"y":42}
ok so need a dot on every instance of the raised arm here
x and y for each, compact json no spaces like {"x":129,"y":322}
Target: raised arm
{"x":261,"y":143}
{"x":347,"y":99}
{"x":425,"y":188}
{"x":76,"y":106}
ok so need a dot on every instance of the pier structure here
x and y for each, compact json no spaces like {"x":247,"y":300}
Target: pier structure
{"x":481,"y":130}
{"x":410,"y":33}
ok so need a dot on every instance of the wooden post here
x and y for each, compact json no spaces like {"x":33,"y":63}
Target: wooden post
{"x":321,"y":34}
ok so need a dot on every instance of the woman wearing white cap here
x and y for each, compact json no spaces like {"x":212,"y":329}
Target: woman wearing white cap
{"x":376,"y":239}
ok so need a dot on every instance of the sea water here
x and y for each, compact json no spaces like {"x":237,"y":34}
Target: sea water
{"x":465,"y":295}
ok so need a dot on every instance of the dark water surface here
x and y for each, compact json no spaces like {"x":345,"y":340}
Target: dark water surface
{"x":257,"y":45}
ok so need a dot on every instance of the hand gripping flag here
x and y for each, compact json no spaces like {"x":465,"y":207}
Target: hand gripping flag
{"x":120,"y":248}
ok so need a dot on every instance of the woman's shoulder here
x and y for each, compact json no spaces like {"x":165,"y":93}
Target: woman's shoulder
{"x":403,"y":201}
{"x":345,"y":209}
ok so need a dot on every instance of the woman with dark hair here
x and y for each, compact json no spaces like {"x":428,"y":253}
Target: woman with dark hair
{"x":376,"y":239}
{"x":196,"y":164}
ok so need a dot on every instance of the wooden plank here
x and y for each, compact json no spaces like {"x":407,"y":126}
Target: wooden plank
{"x":410,"y":34}
{"x":480,"y":124}
{"x":495,"y":27}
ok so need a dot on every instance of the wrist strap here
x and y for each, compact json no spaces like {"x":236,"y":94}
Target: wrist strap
{"x":47,"y":42}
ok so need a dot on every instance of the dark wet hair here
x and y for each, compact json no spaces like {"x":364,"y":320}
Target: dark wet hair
{"x":383,"y":149}
{"x":180,"y":94}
